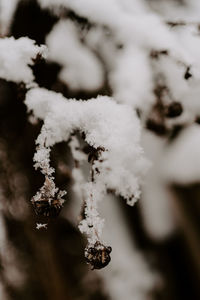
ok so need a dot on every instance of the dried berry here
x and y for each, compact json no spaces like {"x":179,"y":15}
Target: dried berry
{"x":157,"y":127}
{"x":44,"y":207}
{"x":98,"y":256}
{"x":93,"y":153}
{"x":173,"y":110}
{"x":187,"y":74}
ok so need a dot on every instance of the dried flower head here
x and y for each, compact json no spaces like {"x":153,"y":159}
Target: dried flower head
{"x":48,"y":201}
{"x":98,"y":256}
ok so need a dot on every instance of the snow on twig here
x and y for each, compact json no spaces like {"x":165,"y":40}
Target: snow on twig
{"x":112,"y":129}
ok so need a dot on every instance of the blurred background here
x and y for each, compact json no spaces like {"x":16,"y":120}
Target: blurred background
{"x":156,"y":243}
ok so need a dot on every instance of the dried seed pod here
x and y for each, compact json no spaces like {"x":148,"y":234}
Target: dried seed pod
{"x":98,"y":256}
{"x":156,"y":54}
{"x":173,"y":110}
{"x":93,"y":153}
{"x":48,"y":200}
{"x":46,"y":208}
{"x":187,"y":74}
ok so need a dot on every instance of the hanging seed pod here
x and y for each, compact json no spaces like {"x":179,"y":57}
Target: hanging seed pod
{"x":187,"y":74}
{"x":48,"y":200}
{"x":173,"y":110}
{"x":98,"y":256}
{"x":46,"y":208}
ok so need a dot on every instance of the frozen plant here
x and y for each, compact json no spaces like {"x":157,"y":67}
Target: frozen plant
{"x":117,"y":164}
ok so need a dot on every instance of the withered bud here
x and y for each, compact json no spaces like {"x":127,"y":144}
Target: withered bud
{"x":173,"y":110}
{"x":98,"y":256}
{"x":187,"y":74}
{"x":175,"y":24}
{"x":46,"y":208}
{"x":93,"y":153}
{"x":155,"y":54}
{"x":157,"y":127}
{"x":48,"y":200}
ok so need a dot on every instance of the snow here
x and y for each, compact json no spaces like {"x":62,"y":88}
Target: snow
{"x":130,"y":26}
{"x":16,"y":57}
{"x":92,"y":224}
{"x":181,"y":163}
{"x":7,"y":10}
{"x":80,"y":67}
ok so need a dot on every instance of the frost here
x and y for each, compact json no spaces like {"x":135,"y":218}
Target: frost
{"x":16,"y":56}
{"x":92,"y":225}
{"x":39,"y":226}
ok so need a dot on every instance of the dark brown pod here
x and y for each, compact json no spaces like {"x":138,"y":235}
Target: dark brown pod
{"x":157,"y":126}
{"x":187,"y":74}
{"x":173,"y":110}
{"x":46,"y":208}
{"x":98,"y":256}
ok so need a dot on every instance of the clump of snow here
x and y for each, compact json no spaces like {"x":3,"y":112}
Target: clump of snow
{"x":80,"y":67}
{"x":16,"y":56}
